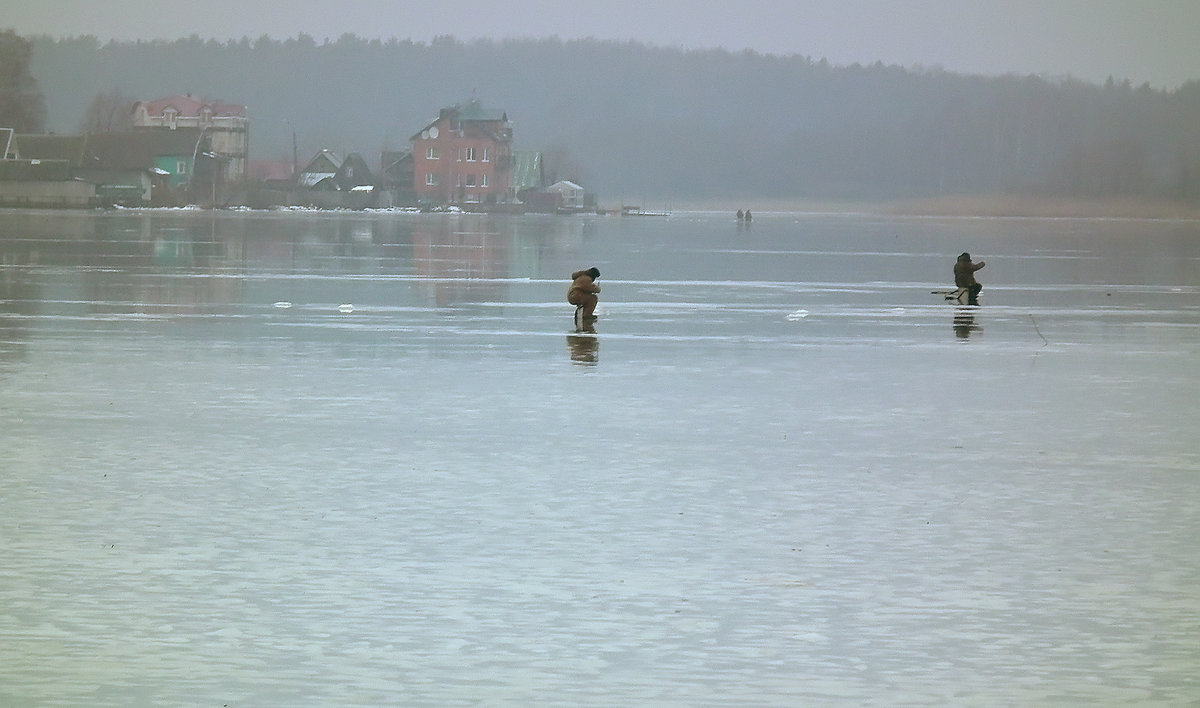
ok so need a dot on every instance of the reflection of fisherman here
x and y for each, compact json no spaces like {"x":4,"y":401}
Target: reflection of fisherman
{"x":964,"y":277}
{"x":584,"y":348}
{"x":582,"y":293}
{"x":964,"y":323}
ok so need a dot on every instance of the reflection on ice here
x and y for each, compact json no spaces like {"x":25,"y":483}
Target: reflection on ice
{"x":964,"y":322}
{"x":793,"y":478}
{"x":584,"y":348}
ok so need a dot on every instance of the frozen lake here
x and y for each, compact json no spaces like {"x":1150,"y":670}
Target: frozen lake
{"x":292,"y":459}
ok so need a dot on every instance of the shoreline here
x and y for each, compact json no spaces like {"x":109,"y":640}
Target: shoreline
{"x":956,"y":207}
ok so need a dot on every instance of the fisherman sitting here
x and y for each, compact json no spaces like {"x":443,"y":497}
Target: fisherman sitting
{"x":964,"y":277}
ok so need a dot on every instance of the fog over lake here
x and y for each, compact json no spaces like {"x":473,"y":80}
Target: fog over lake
{"x":292,"y":458}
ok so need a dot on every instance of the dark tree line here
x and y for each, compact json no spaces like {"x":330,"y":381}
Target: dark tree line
{"x":22,"y":106}
{"x":628,"y":119}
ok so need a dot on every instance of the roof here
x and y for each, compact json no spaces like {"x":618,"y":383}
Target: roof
{"x":391,"y":157}
{"x":311,"y":179}
{"x":397,"y":167}
{"x":50,"y":147}
{"x":324,"y":161}
{"x":527,"y":169}
{"x":128,"y":150}
{"x":471,"y":112}
{"x":139,"y":148}
{"x":188,"y":105}
{"x":564,"y":186}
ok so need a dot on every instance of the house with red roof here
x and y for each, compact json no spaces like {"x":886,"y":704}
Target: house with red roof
{"x":224,"y":130}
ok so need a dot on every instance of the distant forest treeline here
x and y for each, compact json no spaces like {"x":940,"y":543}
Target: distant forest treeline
{"x":629,"y":120}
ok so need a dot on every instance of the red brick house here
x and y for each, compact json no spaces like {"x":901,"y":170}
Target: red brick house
{"x":464,"y":157}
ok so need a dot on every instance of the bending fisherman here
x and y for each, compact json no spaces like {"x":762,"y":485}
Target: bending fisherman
{"x":582,"y":293}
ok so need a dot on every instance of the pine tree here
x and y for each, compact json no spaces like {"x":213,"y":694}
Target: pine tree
{"x":22,"y":106}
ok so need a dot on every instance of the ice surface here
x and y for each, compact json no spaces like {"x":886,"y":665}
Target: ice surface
{"x":449,"y":497}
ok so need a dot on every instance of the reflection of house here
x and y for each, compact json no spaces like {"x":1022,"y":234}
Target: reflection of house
{"x":461,"y":261}
{"x":224,"y":126}
{"x":464,"y":156}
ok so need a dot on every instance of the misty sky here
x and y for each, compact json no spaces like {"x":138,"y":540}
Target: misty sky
{"x":1142,"y":40}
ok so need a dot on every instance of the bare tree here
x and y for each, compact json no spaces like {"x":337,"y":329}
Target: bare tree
{"x":109,"y":112}
{"x":558,"y":164}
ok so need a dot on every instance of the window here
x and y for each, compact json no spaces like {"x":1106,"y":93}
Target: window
{"x":483,"y":181}
{"x":431,"y":179}
{"x":470,"y":154}
{"x":433,"y":153}
{"x":485,"y":157}
{"x":470,"y":180}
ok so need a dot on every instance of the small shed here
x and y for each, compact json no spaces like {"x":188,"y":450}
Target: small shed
{"x":571,"y":197}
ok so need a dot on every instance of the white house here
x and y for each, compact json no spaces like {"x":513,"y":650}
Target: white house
{"x":570,"y":195}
